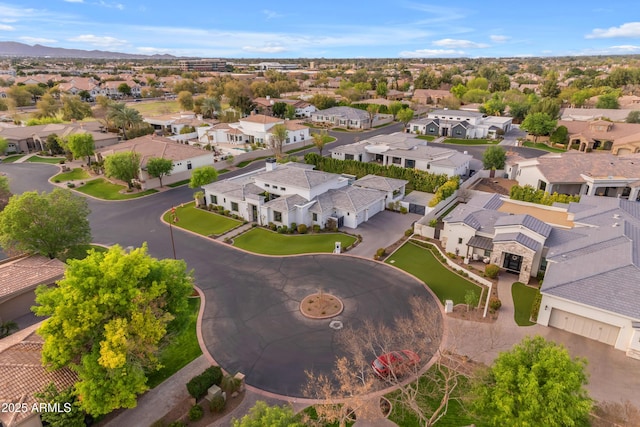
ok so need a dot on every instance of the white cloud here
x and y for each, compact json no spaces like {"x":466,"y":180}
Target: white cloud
{"x":270,"y":14}
{"x":4,"y":27}
{"x":101,"y":41}
{"x":35,"y":40}
{"x":630,"y":29}
{"x":459,"y":44}
{"x":74,"y":1}
{"x":434,"y":53}
{"x":499,"y":38}
{"x":269,"y":48}
{"x":118,"y":6}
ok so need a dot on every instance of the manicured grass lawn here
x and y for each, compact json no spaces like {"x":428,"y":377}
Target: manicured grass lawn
{"x":77,"y":173}
{"x":81,"y":252}
{"x":523,"y":297}
{"x":181,"y":346}
{"x":541,"y":146}
{"x":456,"y":415}
{"x":427,"y":137}
{"x":11,"y":159}
{"x":201,"y":221}
{"x":425,"y":266}
{"x":268,"y":242}
{"x":38,"y":159}
{"x":471,"y":141}
{"x":105,"y":190}
{"x":179,"y":183}
{"x":155,"y":108}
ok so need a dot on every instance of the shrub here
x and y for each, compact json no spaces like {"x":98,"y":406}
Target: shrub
{"x":494,"y":304}
{"x":195,"y":413}
{"x":198,"y":385}
{"x":433,"y":222}
{"x":217,"y":404}
{"x":491,"y":271}
{"x":226,"y":212}
{"x":408,"y":232}
{"x":535,"y":306}
{"x":220,"y":208}
{"x":293,"y":227}
{"x":177,"y":424}
{"x":282,"y":229}
{"x":316,"y":228}
{"x":451,"y":255}
{"x":61,"y":162}
{"x":230,"y":384}
{"x":380,"y":252}
{"x":56,"y":180}
{"x":71,"y":185}
{"x":403,"y":210}
{"x":302,"y":228}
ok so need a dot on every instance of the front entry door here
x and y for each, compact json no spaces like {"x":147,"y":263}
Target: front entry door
{"x":512,"y":262}
{"x":254,"y":213}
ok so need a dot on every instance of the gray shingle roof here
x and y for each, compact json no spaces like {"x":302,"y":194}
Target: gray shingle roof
{"x":349,"y":113}
{"x":518,"y":238}
{"x":354,"y":199}
{"x":286,"y":203}
{"x":298,"y":177}
{"x":380,"y":183}
{"x":527,"y":221}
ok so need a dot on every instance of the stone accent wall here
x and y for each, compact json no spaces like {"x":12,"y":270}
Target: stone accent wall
{"x":500,"y":249}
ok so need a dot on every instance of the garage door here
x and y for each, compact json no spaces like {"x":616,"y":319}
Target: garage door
{"x":583,"y":326}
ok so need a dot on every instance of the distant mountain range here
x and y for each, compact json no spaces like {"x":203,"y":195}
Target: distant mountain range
{"x":16,"y":49}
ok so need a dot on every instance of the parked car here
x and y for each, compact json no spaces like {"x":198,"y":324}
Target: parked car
{"x":396,"y":362}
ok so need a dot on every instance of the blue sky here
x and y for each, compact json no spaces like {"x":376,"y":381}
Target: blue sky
{"x":330,"y":29}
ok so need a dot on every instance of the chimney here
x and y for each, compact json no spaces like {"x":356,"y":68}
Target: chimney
{"x":270,"y":164}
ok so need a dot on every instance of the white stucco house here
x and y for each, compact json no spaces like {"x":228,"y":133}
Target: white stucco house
{"x":460,"y":124}
{"x":344,"y":117}
{"x":574,"y":172}
{"x":407,"y":151}
{"x":283,"y":194}
{"x":253,"y":129}
{"x":185,"y":158}
{"x":589,"y":253}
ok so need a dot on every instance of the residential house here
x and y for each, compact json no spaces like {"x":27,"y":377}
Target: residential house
{"x":573,"y":172}
{"x":344,"y":117}
{"x":429,"y":96}
{"x":27,"y":139}
{"x":620,"y":138}
{"x":460,"y":124}
{"x":590,"y":114}
{"x":589,"y":253}
{"x":19,"y":278}
{"x":295,"y":193}
{"x":79,"y":84}
{"x":253,"y":129}
{"x":404,"y":150}
{"x":302,"y":108}
{"x":185,"y":158}
{"x":110,"y":89}
{"x":22,"y":376}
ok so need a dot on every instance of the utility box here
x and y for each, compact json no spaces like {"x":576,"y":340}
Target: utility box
{"x":337,"y":249}
{"x":448,"y":306}
{"x":213,"y":391}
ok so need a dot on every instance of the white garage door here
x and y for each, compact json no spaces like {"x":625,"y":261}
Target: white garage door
{"x":583,"y":326}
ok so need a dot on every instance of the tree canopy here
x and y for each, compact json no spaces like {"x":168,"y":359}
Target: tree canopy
{"x":279,"y":135}
{"x":45,"y":223}
{"x":123,"y":117}
{"x":494,"y":157}
{"x":538,"y":124}
{"x":124,"y":166}
{"x":633,"y":116}
{"x":158,"y":167}
{"x":107,"y":316}
{"x":535,"y":383}
{"x":405,"y":115}
{"x":202,"y":176}
{"x":80,"y":145}
{"x":264,"y":415}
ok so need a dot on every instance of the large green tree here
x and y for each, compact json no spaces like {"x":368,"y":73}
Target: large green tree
{"x":538,"y":124}
{"x":158,"y":167}
{"x":47,"y":106}
{"x":4,"y":145}
{"x":46,"y":223}
{"x":537,"y":383}
{"x":80,"y":145}
{"x":633,"y":116}
{"x":74,"y":108}
{"x":202,"y":176}
{"x":494,"y":157}
{"x":394,"y":107}
{"x":124,"y":166}
{"x":5,"y":191}
{"x":405,"y":115}
{"x":279,"y":135}
{"x":261,"y":415}
{"x":123,"y":117}
{"x":608,"y":101}
{"x":185,"y":99}
{"x":70,"y":414}
{"x":106,"y":319}
{"x":124,"y":89}
{"x":320,"y":139}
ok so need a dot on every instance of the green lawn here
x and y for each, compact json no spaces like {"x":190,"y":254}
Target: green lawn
{"x":155,"y":108}
{"x":427,"y":137}
{"x":12,"y":158}
{"x":181,"y":346}
{"x":425,"y":266}
{"x":102,"y":189}
{"x":262,"y":241}
{"x":457,"y":141}
{"x":541,"y":146}
{"x":77,"y":173}
{"x":456,"y":415}
{"x":201,"y":221}
{"x":81,"y":252}
{"x":179,"y":183}
{"x":523,"y":297}
{"x":51,"y":160}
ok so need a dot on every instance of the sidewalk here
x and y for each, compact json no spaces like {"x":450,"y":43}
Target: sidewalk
{"x":235,"y":232}
{"x":159,"y":401}
{"x":24,"y":158}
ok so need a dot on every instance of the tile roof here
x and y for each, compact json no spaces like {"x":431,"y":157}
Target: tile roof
{"x":380,"y":183}
{"x":527,"y":221}
{"x":523,"y":239}
{"x":287,"y":202}
{"x":354,"y":199}
{"x":261,"y":118}
{"x":348,"y":113}
{"x":22,"y":375}
{"x":481,"y":243}
{"x":27,"y":273}
{"x":295,"y":176}
{"x":458,"y":113}
{"x":153,"y":146}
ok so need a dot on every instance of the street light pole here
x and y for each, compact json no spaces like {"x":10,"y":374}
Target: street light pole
{"x":174,"y":218}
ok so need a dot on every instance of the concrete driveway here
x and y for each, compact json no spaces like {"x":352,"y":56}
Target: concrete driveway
{"x":381,"y":231}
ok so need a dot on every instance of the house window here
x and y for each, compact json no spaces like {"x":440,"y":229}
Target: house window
{"x":487,"y":253}
{"x":458,"y":132}
{"x":409,"y":163}
{"x":396,"y":160}
{"x":267,"y":185}
{"x":432,"y":130}
{"x":214,"y":199}
{"x":428,"y":165}
{"x":459,"y":240}
{"x":277,"y":216}
{"x":283,"y":189}
{"x":542,"y":185}
{"x":234,"y":206}
{"x":315,"y":217}
{"x":189,"y":166}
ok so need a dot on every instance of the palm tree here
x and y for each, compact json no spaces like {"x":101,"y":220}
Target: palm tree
{"x":319,"y":140}
{"x":124,"y":117}
{"x":209,"y":107}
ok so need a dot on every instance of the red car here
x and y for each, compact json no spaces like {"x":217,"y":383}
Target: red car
{"x":398,"y":362}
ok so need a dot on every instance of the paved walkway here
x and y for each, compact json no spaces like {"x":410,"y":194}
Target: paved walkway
{"x":158,"y":402}
{"x":235,"y":232}
{"x":24,"y":158}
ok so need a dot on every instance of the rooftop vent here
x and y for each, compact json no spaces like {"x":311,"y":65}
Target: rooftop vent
{"x":615,"y":224}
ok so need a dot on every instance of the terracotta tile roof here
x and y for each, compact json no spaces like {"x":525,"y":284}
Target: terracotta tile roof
{"x":588,"y":129}
{"x":27,"y":273}
{"x":151,"y":146}
{"x":22,"y":375}
{"x":568,"y":167}
{"x":294,"y":125}
{"x":261,"y":118}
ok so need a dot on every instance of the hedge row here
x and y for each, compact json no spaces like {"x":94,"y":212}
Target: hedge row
{"x":198,"y":385}
{"x":530,"y":194}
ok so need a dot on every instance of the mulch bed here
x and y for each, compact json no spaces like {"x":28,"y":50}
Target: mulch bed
{"x":181,"y":411}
